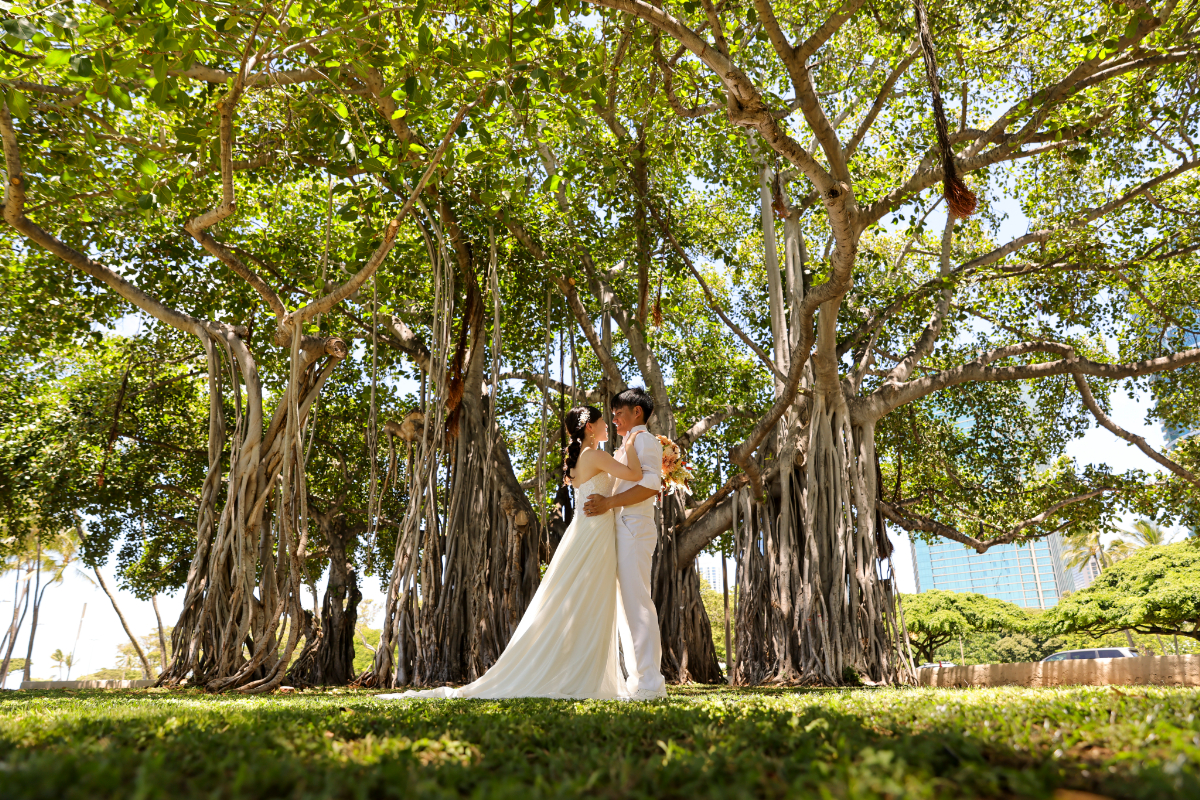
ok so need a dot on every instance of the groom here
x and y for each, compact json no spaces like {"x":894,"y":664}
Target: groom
{"x":637,"y":535}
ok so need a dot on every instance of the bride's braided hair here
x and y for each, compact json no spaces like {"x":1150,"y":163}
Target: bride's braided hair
{"x":578,"y":419}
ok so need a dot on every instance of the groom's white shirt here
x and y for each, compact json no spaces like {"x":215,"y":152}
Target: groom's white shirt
{"x":649,"y":454}
{"x":637,"y":536}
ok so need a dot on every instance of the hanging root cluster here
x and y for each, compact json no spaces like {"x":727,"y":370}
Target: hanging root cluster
{"x":243,"y":595}
{"x":961,"y":200}
{"x":813,"y":604}
{"x":466,"y":558}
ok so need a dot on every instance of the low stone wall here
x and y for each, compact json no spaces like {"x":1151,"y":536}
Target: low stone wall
{"x":86,"y":684}
{"x":1158,"y":670}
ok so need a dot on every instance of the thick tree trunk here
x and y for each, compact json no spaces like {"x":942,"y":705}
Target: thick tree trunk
{"x":328,"y":655}
{"x":469,"y":544}
{"x":475,"y":576}
{"x":684,"y":627}
{"x":812,"y":605}
{"x":244,"y":585}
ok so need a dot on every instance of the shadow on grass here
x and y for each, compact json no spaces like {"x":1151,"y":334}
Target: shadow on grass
{"x":703,"y":742}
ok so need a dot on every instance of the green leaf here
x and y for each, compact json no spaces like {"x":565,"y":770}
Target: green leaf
{"x":416,"y":148}
{"x":17,"y":104}
{"x":20,"y":28}
{"x":56,"y":58}
{"x":119,"y":97}
{"x":82,"y":66}
{"x":475,"y":74}
{"x":160,"y":96}
{"x":342,"y":111}
{"x":399,"y":113}
{"x":418,"y":12}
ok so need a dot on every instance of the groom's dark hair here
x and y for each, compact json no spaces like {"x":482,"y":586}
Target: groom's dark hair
{"x":635,"y":397}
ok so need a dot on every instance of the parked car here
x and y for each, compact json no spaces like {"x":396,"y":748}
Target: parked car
{"x":938,"y":664}
{"x":1102,"y":652}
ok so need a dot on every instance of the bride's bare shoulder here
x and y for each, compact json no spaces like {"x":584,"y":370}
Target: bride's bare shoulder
{"x":587,"y":467}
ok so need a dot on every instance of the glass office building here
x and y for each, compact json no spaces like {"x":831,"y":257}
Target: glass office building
{"x":1087,"y":573}
{"x":1030,"y":575}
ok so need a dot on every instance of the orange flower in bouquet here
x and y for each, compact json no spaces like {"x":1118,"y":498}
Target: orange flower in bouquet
{"x":675,"y":471}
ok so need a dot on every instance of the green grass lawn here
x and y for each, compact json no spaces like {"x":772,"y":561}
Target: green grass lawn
{"x":702,"y":742}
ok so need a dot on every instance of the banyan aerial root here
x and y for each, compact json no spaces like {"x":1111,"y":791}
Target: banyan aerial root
{"x":961,"y":200}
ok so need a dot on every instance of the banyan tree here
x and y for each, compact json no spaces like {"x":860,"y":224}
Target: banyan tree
{"x":844,"y":153}
{"x":878,"y":266}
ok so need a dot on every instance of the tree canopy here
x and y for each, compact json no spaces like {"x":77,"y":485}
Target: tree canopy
{"x":1154,"y":591}
{"x":936,"y":617}
{"x":332,"y":220}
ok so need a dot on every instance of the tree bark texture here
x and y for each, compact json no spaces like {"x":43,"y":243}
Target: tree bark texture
{"x":328,"y":655}
{"x":147,"y":670}
{"x":689,"y":653}
{"x":466,"y":561}
{"x":244,"y":584}
{"x":812,"y":604}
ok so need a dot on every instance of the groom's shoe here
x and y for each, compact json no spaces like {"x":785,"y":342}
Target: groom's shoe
{"x":647,"y":694}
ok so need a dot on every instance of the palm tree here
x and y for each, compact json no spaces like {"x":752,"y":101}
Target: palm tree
{"x":66,"y":547}
{"x":1084,"y":545}
{"x":59,"y":659}
{"x":1145,"y":534}
{"x":1081,"y":546}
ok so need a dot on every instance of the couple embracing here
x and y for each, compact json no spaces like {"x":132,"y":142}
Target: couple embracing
{"x":597,"y":587}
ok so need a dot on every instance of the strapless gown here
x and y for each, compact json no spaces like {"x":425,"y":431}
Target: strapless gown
{"x":566,"y":644}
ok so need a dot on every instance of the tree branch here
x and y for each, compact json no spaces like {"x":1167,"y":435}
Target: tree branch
{"x":547,"y":382}
{"x":14,"y":215}
{"x":566,"y":287}
{"x":198,"y":226}
{"x":348,"y":288}
{"x":703,"y":425}
{"x":669,"y":88}
{"x":911,"y":521}
{"x":888,"y":397}
{"x":885,"y":94}
{"x":712,"y":300}
{"x":745,"y":104}
{"x":828,"y":28}
{"x":1085,"y":391}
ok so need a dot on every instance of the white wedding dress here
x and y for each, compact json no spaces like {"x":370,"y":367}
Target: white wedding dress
{"x":566,"y":644}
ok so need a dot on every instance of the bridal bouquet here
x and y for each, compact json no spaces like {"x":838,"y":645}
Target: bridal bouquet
{"x":676,"y":473}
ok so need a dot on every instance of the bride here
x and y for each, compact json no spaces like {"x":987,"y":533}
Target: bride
{"x":566,"y":644}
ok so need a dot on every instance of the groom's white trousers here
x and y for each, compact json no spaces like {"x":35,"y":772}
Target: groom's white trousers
{"x":636,"y":538}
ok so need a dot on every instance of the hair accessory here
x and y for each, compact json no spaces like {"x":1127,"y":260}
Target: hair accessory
{"x":585,"y":416}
